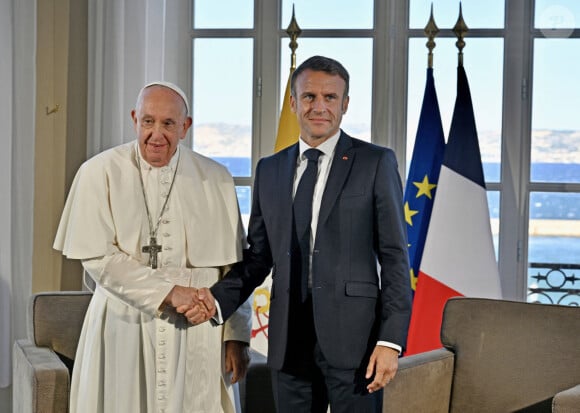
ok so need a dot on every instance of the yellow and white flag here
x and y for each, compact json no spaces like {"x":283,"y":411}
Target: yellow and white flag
{"x":288,"y":129}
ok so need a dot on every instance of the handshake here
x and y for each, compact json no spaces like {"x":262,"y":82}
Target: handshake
{"x":196,"y":305}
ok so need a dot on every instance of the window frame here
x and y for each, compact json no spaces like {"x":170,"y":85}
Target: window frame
{"x":391,"y":34}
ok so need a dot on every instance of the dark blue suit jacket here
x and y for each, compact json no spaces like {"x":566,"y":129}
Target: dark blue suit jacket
{"x":360,"y":269}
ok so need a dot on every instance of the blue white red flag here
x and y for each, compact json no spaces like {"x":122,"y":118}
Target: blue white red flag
{"x":458,"y":258}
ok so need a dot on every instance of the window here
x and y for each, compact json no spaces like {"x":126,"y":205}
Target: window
{"x":357,"y":120}
{"x":554,"y":182}
{"x":223,"y":88}
{"x":483,"y":57}
{"x":483,"y":62}
{"x":340,"y":30}
{"x":520,"y":58}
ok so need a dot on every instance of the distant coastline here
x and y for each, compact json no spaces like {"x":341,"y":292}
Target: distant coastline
{"x":554,"y":225}
{"x":555,"y":158}
{"x":546,"y":227}
{"x":554,"y":228}
{"x":551,"y":214}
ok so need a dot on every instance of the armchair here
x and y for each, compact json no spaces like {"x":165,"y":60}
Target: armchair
{"x":498,"y":356}
{"x":43,"y":361}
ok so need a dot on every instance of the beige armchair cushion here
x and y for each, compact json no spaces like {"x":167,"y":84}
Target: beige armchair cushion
{"x":426,"y":377}
{"x":499,"y":356}
{"x":42,"y":362}
{"x":56,"y":320}
{"x":567,"y":401}
{"x":41,"y":380}
{"x":510,"y":355}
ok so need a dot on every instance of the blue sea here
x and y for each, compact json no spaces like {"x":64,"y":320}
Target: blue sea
{"x":546,"y":205}
{"x":540,"y":172}
{"x":543,"y":205}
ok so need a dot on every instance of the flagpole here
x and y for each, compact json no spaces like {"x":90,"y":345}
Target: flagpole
{"x":460,"y":29}
{"x":293,"y":31}
{"x":420,"y":194}
{"x":288,"y":129}
{"x":431,"y":31}
{"x":458,"y":256}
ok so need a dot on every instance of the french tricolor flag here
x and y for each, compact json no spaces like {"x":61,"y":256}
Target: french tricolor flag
{"x":458,"y":258}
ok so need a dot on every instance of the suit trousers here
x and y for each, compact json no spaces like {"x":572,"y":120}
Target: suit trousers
{"x":308,"y":384}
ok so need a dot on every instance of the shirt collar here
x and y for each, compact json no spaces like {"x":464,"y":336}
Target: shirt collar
{"x":326,"y":147}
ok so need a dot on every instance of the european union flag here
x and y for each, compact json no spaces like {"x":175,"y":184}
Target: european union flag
{"x":423,"y":175}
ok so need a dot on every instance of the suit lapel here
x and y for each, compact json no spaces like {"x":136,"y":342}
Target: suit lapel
{"x":341,"y":164}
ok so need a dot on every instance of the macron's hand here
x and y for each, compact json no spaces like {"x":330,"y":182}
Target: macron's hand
{"x":383,"y":364}
{"x":205,"y":296}
{"x":204,"y":307}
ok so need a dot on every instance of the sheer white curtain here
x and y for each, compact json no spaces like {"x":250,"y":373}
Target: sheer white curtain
{"x":132,"y":42}
{"x":17,"y":42}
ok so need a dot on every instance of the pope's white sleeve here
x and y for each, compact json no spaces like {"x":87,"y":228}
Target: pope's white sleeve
{"x":239,"y":326}
{"x":137,"y":285}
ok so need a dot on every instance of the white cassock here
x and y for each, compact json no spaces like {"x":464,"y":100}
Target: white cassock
{"x":132,"y":357}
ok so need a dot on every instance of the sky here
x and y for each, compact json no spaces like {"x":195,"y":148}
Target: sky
{"x":556,"y":95}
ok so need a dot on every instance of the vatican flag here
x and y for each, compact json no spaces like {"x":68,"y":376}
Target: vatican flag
{"x":288,"y":129}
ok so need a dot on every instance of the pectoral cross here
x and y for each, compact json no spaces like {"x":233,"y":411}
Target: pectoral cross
{"x":152,"y":249}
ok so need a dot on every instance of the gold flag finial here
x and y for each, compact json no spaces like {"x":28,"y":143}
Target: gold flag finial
{"x":431,"y":31}
{"x":460,"y":29}
{"x":288,"y":128}
{"x":293,"y":31}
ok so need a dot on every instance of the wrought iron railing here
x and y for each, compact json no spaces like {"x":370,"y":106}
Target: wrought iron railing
{"x":554,"y":283}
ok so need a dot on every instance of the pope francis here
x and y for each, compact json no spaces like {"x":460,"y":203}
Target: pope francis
{"x":153,"y":221}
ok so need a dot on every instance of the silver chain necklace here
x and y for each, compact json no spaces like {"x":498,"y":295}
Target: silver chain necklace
{"x":153,"y":248}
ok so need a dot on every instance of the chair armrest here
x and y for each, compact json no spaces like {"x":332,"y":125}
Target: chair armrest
{"x":422,"y":383}
{"x":41,"y":381}
{"x":256,"y":388}
{"x":567,"y":401}
{"x":55,"y":320}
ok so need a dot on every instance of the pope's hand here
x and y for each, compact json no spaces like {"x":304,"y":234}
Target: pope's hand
{"x":187,"y":300}
{"x":181,"y":296}
{"x":203,"y":310}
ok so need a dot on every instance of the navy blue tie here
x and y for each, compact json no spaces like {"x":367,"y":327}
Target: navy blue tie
{"x":303,"y":215}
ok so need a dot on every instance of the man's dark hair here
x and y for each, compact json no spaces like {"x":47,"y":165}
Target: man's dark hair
{"x":321,"y":64}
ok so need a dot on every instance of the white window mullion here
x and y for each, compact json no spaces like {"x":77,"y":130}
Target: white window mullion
{"x":390,"y":77}
{"x":267,"y":78}
{"x":515,"y":149}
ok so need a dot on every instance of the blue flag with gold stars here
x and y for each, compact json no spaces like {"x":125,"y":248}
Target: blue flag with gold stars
{"x":423,"y":175}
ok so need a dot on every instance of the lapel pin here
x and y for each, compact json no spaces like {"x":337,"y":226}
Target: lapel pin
{"x":345,"y":158}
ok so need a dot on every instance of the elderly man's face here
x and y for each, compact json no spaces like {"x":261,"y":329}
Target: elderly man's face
{"x":160,"y":121}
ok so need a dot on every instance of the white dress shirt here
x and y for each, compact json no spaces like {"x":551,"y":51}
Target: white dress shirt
{"x":324,"y":164}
